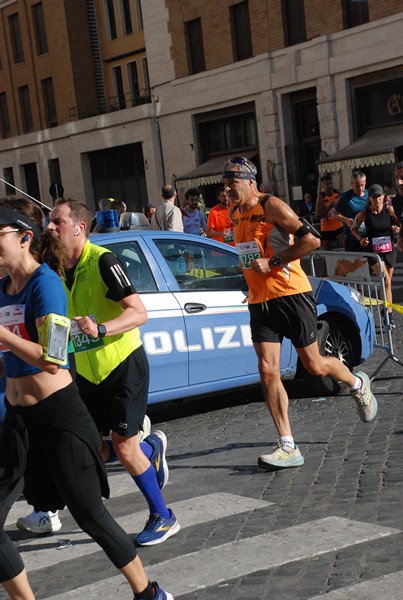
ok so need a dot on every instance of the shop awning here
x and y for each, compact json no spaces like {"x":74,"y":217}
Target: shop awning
{"x":209,"y":172}
{"x":376,"y":147}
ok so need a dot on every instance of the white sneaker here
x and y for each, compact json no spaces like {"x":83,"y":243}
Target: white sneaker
{"x":40,"y":522}
{"x":283,"y":456}
{"x":367,"y":405}
{"x":145,"y":428}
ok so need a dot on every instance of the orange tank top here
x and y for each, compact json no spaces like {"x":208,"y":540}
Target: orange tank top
{"x":326,"y":223}
{"x":255,"y":238}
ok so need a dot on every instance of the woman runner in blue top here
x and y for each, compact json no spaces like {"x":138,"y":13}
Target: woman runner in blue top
{"x":43,"y":408}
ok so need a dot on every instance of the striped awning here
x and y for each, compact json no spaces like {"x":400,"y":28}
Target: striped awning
{"x":375,"y":147}
{"x":210,"y":171}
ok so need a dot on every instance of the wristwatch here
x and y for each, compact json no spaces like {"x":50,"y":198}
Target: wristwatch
{"x":101,"y":330}
{"x":275,"y":261}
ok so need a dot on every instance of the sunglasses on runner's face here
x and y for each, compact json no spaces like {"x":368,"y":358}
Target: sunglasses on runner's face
{"x":3,"y":232}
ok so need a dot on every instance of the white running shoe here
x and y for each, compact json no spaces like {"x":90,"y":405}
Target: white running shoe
{"x":145,"y":428}
{"x":367,"y":406}
{"x":40,"y":522}
{"x":283,"y":456}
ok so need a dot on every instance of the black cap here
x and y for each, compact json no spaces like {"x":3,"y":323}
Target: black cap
{"x":8,"y":216}
{"x":375,"y":190}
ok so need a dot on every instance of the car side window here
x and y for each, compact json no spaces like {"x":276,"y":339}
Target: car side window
{"x":198,"y":266}
{"x":136,"y":264}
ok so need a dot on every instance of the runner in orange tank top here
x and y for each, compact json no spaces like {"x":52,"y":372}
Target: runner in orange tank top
{"x":270,"y":240}
{"x":331,"y":229}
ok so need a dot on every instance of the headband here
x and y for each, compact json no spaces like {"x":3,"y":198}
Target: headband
{"x":238,"y":175}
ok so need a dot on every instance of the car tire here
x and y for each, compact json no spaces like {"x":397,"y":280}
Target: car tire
{"x":333,"y":340}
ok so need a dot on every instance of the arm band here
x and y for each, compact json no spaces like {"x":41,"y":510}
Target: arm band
{"x":53,"y":336}
{"x":305,"y":229}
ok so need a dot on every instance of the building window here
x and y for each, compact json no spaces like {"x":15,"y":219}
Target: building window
{"x":39,"y":29}
{"x":355,"y":13}
{"x":194,"y":46}
{"x":111,"y":19}
{"x":8,"y":176}
{"x":119,"y":173}
{"x":240,"y":30}
{"x":25,"y":107}
{"x":294,"y":21}
{"x":146,"y":77}
{"x":54,"y":170}
{"x":119,"y":99}
{"x":56,"y":189}
{"x":133,"y":78}
{"x":139,"y":15}
{"x":126,"y":16}
{"x":228,"y":134}
{"x":16,"y":39}
{"x":49,"y":102}
{"x":4,"y":116}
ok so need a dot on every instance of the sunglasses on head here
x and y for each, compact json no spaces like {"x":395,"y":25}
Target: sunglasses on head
{"x":238,"y":160}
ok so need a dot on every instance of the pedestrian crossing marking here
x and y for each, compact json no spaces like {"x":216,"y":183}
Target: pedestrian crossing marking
{"x":193,"y":511}
{"x":120,"y":484}
{"x":210,"y":567}
{"x":389,"y":586}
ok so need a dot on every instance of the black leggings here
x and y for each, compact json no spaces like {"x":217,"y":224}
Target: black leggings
{"x":11,"y":563}
{"x":63,"y":452}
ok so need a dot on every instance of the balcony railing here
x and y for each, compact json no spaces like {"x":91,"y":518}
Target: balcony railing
{"x":112,"y":104}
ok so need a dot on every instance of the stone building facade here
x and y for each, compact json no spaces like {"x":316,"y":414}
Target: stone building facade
{"x":143,"y":93}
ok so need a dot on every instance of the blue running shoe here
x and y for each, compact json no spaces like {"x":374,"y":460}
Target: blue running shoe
{"x":160,"y":594}
{"x":158,"y":442}
{"x":158,"y":529}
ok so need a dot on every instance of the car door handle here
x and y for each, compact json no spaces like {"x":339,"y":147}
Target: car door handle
{"x":194,"y":307}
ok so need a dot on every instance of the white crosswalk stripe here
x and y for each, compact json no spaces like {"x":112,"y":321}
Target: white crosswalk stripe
{"x":120,"y":484}
{"x":214,"y":565}
{"x":190,"y":512}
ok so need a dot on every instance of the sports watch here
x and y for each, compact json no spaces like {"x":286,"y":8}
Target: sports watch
{"x":275,"y":261}
{"x":101,"y":330}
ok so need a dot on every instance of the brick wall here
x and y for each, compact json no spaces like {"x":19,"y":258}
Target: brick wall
{"x":322,"y":17}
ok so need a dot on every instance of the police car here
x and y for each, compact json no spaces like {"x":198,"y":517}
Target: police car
{"x":197,"y":336}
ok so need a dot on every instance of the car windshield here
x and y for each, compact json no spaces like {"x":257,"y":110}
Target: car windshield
{"x":201,"y":266}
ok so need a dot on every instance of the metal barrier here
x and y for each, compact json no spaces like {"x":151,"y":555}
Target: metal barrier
{"x":352,"y":268}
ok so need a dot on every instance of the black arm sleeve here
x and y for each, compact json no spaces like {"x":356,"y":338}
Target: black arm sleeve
{"x":115,"y":277}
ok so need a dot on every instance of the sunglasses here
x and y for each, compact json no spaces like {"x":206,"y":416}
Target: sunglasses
{"x":9,"y":231}
{"x":238,"y":160}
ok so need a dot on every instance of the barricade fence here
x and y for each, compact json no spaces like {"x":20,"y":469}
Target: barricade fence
{"x":360,"y":271}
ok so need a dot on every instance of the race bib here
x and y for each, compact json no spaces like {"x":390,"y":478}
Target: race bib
{"x":382,"y":244}
{"x":83,"y":342}
{"x":247,"y":252}
{"x":13,"y":317}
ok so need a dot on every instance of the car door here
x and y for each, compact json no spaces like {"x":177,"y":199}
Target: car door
{"x":210,"y":288}
{"x":169,"y":369}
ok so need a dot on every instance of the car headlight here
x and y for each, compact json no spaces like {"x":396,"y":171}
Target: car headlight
{"x":356,"y":295}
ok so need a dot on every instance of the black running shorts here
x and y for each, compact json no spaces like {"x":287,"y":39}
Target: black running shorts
{"x":119,"y":403}
{"x":293,"y":317}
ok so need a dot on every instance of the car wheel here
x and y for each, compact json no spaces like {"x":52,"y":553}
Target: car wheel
{"x":333,"y":340}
